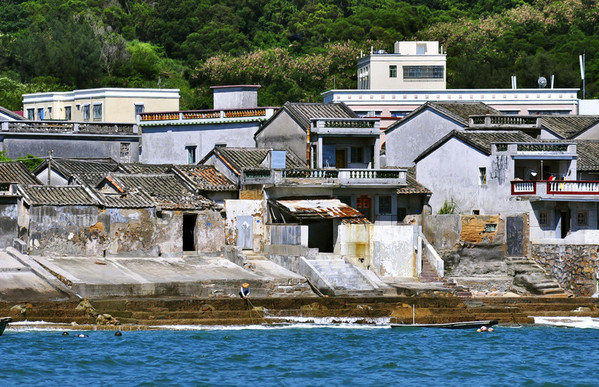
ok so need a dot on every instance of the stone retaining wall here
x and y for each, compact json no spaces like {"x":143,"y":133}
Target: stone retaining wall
{"x":573,"y":266}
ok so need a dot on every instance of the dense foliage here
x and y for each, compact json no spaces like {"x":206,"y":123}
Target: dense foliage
{"x":295,"y":49}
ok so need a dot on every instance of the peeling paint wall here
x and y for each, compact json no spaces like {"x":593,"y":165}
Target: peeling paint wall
{"x":68,"y":230}
{"x":386,"y":249}
{"x":254,"y":208}
{"x":9,"y":228}
{"x":210,"y":231}
{"x":131,"y":231}
{"x":482,"y":228}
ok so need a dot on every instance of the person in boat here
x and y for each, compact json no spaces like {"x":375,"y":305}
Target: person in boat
{"x":244,"y":293}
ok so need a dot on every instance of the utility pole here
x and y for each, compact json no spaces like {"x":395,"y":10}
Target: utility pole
{"x":582,"y":58}
{"x":50,"y":167}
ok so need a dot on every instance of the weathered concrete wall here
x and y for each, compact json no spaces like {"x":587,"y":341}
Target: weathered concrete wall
{"x":414,"y":136}
{"x":353,"y":241}
{"x":254,"y":208}
{"x":288,"y":235}
{"x":210,"y":231}
{"x":166,"y":144}
{"x":393,"y":250}
{"x":482,"y":229}
{"x":131,"y":232}
{"x":442,"y":231}
{"x":72,"y":146}
{"x":9,"y":228}
{"x":69,"y":230}
{"x":283,"y":133}
{"x":574,"y":266}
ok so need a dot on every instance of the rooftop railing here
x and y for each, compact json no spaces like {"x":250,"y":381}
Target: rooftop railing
{"x":325,"y":176}
{"x":555,"y":187}
{"x":504,"y":120}
{"x":68,"y":127}
{"x":209,"y":115}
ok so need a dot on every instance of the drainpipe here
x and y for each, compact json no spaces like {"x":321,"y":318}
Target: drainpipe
{"x":50,"y":167}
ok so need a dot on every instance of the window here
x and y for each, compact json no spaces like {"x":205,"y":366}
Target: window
{"x":139,"y":108}
{"x":392,"y":71}
{"x":357,"y":154}
{"x":31,"y":114}
{"x":543,"y":218}
{"x":482,"y":173}
{"x":423,"y":72}
{"x":582,"y":218}
{"x":40,"y":113}
{"x":67,"y":113}
{"x":191,"y":154}
{"x":49,"y":112}
{"x":125,"y":151}
{"x":385,"y":205}
{"x":86,"y":112}
{"x":421,"y":49}
{"x":97,"y":111}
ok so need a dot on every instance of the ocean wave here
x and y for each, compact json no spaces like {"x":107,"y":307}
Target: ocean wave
{"x":568,"y":321}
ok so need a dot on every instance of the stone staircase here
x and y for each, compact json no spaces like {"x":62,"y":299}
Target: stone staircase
{"x":344,"y":278}
{"x":428,"y":274}
{"x":532,"y":278}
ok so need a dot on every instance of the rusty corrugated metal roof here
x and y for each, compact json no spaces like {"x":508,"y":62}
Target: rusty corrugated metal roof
{"x":319,"y":208}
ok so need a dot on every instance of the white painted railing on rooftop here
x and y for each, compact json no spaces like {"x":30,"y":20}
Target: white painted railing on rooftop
{"x":208,"y":115}
{"x":555,"y":187}
{"x":342,"y":176}
{"x":504,"y":120}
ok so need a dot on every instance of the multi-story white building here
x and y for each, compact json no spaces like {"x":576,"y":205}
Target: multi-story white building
{"x":99,"y":105}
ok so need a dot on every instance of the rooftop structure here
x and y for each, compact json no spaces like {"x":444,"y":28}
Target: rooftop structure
{"x":99,"y":105}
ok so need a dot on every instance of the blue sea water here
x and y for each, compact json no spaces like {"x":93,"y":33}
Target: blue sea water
{"x":302,"y":356}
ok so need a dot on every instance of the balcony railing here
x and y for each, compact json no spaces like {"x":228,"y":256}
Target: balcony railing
{"x":504,"y":120}
{"x":379,"y":177}
{"x":555,"y":187}
{"x":208,"y":115}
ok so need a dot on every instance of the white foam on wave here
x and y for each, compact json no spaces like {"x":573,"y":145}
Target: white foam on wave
{"x":294,"y":322}
{"x":569,"y":322}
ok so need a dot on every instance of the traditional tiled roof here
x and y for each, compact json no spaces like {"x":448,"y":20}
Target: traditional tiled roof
{"x":481,"y":140}
{"x":90,"y":179}
{"x":239,"y":159}
{"x":588,"y":155}
{"x":145,"y":168}
{"x":458,"y":111}
{"x":16,"y":172}
{"x":136,"y":199}
{"x":568,"y":126}
{"x":303,"y":112}
{"x":68,"y":167}
{"x":413,"y":186}
{"x":167,"y":190}
{"x":205,"y":177}
{"x":63,"y":195}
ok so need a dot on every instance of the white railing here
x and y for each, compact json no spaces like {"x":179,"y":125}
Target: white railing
{"x":524,"y":187}
{"x":573,"y":187}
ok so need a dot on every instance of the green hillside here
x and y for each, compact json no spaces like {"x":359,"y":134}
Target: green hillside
{"x":294,"y":49}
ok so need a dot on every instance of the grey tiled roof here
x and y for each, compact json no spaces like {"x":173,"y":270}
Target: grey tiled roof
{"x":137,"y":199}
{"x":588,"y":155}
{"x":304,"y":112}
{"x":16,"y":172}
{"x":63,"y":195}
{"x":244,"y":158}
{"x":145,"y":168}
{"x":167,"y":190}
{"x":481,"y":140}
{"x":90,"y":179}
{"x":458,"y":111}
{"x":413,"y":186}
{"x":205,"y":177}
{"x":69,"y":167}
{"x":568,"y":126}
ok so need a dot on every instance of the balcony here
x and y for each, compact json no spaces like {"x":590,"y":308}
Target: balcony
{"x":346,"y":126}
{"x":325,"y":177}
{"x":552,"y":188}
{"x":205,"y":116}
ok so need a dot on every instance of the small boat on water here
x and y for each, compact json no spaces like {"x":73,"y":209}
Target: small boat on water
{"x":3,"y":323}
{"x":454,"y":325}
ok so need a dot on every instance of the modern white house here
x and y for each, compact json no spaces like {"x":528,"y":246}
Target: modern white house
{"x":120,"y":105}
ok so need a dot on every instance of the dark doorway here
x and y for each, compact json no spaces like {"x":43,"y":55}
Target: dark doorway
{"x":189,"y":232}
{"x":515,"y":236}
{"x":341,"y":158}
{"x":565,"y":223}
{"x":320,"y":236}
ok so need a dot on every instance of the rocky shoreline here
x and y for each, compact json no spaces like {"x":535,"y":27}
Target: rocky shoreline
{"x":148,"y":313}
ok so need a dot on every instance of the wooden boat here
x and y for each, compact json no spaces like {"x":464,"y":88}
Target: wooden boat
{"x":454,"y":325}
{"x":3,"y":323}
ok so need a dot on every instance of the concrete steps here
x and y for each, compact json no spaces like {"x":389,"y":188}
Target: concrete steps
{"x":531,"y":277}
{"x":429,"y":274}
{"x":344,"y":277}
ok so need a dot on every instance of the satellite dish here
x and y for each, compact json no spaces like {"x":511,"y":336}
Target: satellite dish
{"x":542,"y":82}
